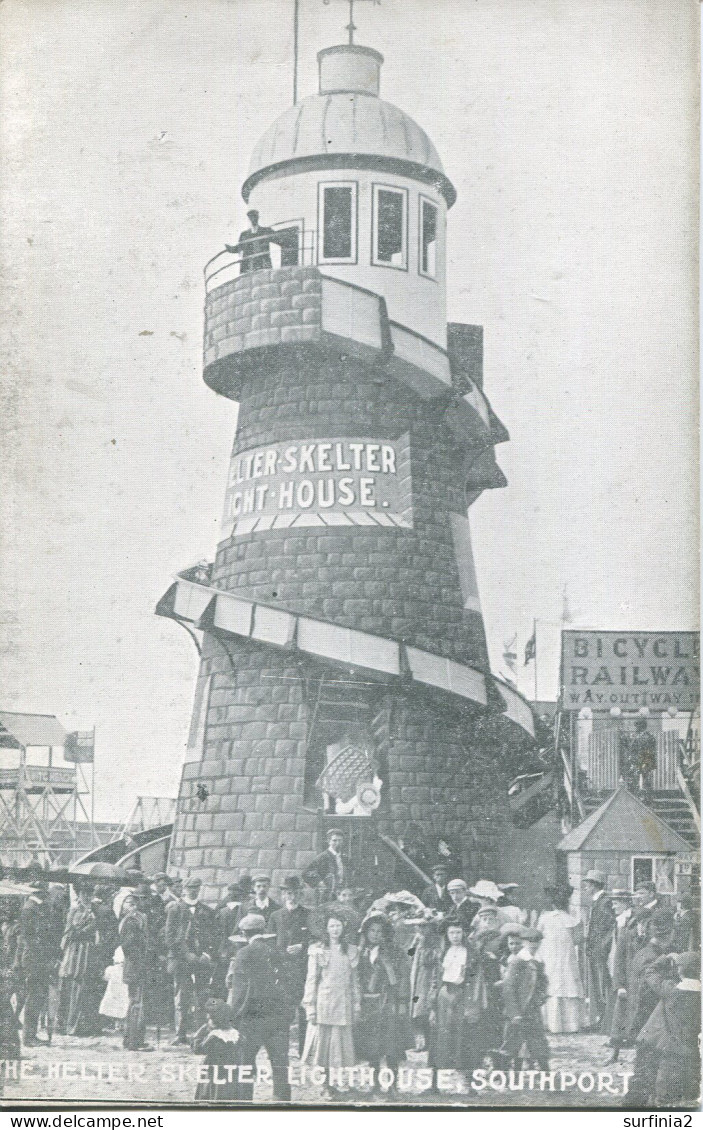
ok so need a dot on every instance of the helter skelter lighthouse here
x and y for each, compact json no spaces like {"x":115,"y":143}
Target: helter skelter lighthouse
{"x":344,"y":674}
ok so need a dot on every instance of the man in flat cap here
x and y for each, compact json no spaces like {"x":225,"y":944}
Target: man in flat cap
{"x":598,"y":941}
{"x":261,"y":1002}
{"x":463,"y":909}
{"x":329,"y":870}
{"x":191,"y":942}
{"x":436,"y":893}
{"x":525,"y":989}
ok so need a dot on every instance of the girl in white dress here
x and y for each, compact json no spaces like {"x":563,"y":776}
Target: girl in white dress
{"x":331,"y":999}
{"x":564,"y":1009}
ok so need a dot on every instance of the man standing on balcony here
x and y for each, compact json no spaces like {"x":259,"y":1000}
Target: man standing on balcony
{"x":644,"y":756}
{"x":253,"y":245}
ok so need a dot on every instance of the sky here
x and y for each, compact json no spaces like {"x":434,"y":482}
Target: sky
{"x":569,"y":128}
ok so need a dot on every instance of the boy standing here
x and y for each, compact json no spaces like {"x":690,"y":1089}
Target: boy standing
{"x":525,"y":990}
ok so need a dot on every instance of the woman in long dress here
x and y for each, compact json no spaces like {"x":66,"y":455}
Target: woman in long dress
{"x":564,"y":1008}
{"x":331,"y":999}
{"x":89,"y":940}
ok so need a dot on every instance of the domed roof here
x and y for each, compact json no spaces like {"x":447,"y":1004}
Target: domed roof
{"x":348,"y":125}
{"x":344,"y":122}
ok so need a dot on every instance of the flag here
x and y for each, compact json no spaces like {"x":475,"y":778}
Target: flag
{"x":79,"y":747}
{"x":531,"y":647}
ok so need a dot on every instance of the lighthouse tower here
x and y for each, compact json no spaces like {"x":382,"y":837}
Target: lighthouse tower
{"x":344,"y":676}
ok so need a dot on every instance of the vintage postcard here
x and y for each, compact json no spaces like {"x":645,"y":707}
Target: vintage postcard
{"x":350,"y":712}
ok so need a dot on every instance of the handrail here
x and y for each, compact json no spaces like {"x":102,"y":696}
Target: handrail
{"x":683,"y":785}
{"x":405,"y":858}
{"x":545,"y":781}
{"x":572,"y":790}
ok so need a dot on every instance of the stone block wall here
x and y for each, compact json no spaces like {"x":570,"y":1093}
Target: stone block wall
{"x":255,"y":816}
{"x":253,"y":767}
{"x":441,"y":779}
{"x":400,"y":583}
{"x":263,"y":308}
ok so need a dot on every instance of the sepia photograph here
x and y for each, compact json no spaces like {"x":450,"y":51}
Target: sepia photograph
{"x":349,"y":617}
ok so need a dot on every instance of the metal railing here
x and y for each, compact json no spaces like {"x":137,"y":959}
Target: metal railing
{"x":291,"y":245}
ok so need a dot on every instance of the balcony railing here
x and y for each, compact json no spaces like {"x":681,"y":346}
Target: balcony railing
{"x":292,"y":245}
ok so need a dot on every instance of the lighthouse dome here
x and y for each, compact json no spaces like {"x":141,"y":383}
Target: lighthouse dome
{"x":347,"y":125}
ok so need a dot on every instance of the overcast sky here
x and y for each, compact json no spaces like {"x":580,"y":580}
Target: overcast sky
{"x":569,"y":129}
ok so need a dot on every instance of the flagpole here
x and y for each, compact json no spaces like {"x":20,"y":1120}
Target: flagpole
{"x":92,"y":792}
{"x":296,"y":13}
{"x":534,"y":636}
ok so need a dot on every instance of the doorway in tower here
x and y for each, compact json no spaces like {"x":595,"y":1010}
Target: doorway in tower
{"x":344,"y":774}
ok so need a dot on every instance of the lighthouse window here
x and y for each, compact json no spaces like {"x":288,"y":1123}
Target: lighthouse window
{"x":390,"y":227}
{"x":337,"y":222}
{"x":428,"y":238}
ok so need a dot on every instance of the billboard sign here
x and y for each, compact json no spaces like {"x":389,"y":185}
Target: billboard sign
{"x":629,"y":670}
{"x":321,"y":482}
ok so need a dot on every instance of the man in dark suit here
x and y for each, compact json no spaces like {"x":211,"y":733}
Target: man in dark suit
{"x":290,"y":924}
{"x":191,"y":942}
{"x":329,"y":871}
{"x":262,"y":1005}
{"x":39,"y":949}
{"x":668,"y":1059}
{"x":598,"y":941}
{"x":436,"y":894}
{"x":463,"y":908}
{"x":227,"y":913}
{"x":260,"y":901}
{"x":134,"y":940}
{"x":253,"y":245}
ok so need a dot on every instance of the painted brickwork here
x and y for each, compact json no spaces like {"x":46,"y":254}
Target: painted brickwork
{"x":263,"y":308}
{"x":399,"y":583}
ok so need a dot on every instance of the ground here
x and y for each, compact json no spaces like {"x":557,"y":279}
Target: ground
{"x":75,"y":1070}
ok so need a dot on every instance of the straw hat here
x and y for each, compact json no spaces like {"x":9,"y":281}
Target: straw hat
{"x":486,"y":889}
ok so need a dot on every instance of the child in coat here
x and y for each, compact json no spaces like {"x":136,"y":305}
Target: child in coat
{"x":525,"y":990}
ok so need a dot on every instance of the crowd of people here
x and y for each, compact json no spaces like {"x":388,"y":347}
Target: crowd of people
{"x":458,"y":977}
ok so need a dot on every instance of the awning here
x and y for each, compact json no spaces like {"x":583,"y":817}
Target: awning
{"x":22,"y":730}
{"x":212,"y":608}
